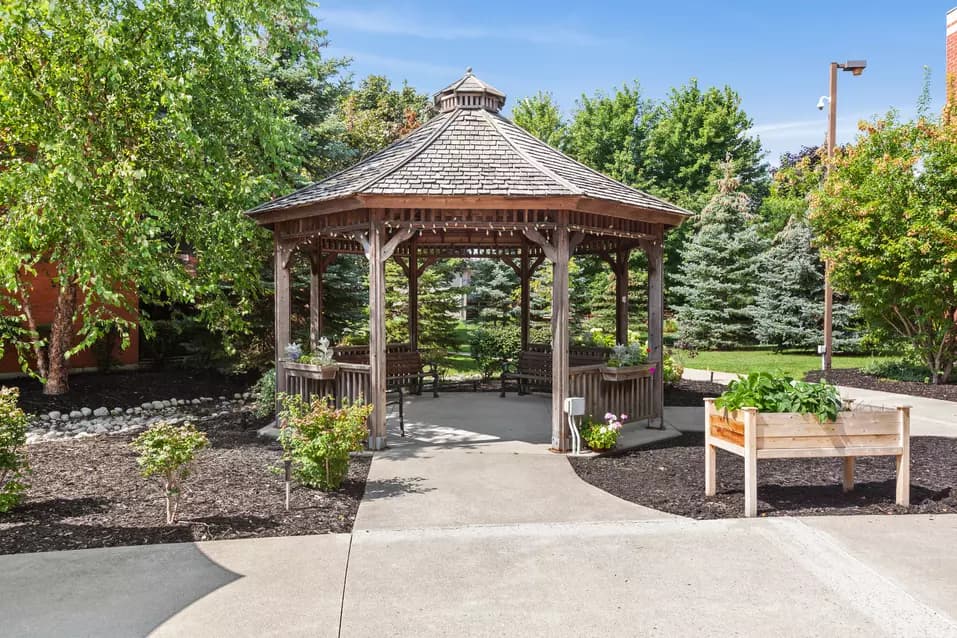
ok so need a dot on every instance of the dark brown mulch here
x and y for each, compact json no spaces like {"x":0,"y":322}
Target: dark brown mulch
{"x":853,"y":377}
{"x":669,"y":476}
{"x":691,"y":393}
{"x":130,"y":388}
{"x":88,"y":493}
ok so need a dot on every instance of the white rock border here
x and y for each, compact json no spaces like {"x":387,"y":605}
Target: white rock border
{"x":87,"y":422}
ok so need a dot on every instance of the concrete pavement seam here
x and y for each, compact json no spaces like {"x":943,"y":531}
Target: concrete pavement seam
{"x":874,"y":594}
{"x":345,"y":579}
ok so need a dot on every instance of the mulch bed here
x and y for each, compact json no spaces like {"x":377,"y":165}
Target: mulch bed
{"x":130,"y":388}
{"x":669,"y":476}
{"x":854,"y":378}
{"x":691,"y":393}
{"x":88,"y":493}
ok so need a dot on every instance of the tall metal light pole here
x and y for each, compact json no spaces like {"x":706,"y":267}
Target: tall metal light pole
{"x":856,"y":67}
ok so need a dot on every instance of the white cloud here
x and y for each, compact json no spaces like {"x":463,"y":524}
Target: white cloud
{"x":398,"y":64}
{"x":388,"y":23}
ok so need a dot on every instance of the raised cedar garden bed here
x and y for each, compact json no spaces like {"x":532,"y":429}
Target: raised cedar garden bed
{"x":757,"y":435}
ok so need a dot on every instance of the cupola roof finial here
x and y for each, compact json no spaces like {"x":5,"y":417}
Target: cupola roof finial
{"x":469,"y":92}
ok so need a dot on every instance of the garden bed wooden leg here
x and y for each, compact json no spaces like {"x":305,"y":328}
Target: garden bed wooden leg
{"x":750,"y":462}
{"x":848,"y":482}
{"x":710,"y":458}
{"x":710,"y":470}
{"x":903,"y":461}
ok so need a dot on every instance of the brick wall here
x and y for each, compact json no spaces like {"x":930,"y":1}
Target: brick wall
{"x":951,"y":51}
{"x":44,"y":301}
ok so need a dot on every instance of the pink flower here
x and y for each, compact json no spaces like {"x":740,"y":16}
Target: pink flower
{"x":624,"y":417}
{"x":609,"y":416}
{"x":651,"y":370}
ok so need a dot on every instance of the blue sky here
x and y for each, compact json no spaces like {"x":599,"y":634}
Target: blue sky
{"x":775,"y":54}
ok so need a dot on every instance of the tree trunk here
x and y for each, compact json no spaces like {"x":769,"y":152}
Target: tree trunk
{"x":61,"y":339}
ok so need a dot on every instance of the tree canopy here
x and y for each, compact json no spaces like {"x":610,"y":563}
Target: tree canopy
{"x":134,"y":132}
{"x":887,"y":220}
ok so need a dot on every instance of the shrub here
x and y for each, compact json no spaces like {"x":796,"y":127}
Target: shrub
{"x":600,"y":435}
{"x":633,"y":354}
{"x":672,"y":368}
{"x":902,"y":369}
{"x":491,"y":345}
{"x":318,"y":438}
{"x":166,"y":451}
{"x":777,"y":393}
{"x":13,"y":459}
{"x":265,"y":393}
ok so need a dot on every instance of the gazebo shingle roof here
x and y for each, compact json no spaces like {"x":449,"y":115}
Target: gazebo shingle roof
{"x":469,"y":152}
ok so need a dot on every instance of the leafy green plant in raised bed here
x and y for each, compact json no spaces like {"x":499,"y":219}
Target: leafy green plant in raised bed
{"x":777,"y":393}
{"x":13,"y":459}
{"x":167,"y":451}
{"x":264,"y":393}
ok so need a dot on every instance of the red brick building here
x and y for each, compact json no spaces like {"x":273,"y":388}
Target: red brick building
{"x":951,"y":49}
{"x":44,"y":300}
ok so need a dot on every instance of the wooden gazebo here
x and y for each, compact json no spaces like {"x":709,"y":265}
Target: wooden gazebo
{"x":470,"y":183}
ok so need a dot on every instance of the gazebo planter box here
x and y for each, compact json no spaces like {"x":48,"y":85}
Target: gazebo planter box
{"x":312,"y":371}
{"x":773,"y":435}
{"x":626,"y":373}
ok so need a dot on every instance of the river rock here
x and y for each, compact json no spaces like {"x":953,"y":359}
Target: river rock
{"x":101,"y":412}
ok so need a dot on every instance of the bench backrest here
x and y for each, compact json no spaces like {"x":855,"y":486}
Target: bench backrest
{"x":536,"y":363}
{"x":403,"y":364}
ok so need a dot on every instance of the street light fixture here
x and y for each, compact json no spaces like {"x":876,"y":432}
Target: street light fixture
{"x":855,"y":67}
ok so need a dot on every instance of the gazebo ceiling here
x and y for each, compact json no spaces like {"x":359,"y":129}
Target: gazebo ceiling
{"x":469,"y":156}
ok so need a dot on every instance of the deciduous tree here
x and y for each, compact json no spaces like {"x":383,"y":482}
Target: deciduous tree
{"x":887,"y":220}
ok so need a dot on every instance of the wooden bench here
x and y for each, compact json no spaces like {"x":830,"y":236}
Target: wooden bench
{"x":403,"y":369}
{"x":761,"y":435}
{"x":534,"y":367}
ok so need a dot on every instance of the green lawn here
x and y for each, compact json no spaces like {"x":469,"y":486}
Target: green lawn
{"x":793,"y":364}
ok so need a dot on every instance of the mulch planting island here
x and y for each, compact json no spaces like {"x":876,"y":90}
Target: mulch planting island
{"x":89,"y":493}
{"x":130,"y":388}
{"x":854,"y":378}
{"x":669,"y":476}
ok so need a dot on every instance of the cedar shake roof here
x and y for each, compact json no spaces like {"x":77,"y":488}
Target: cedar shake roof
{"x":468,"y":149}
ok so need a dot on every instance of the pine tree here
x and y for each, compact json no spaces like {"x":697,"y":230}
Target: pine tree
{"x":788,"y":310}
{"x":718,"y":275}
{"x":491,"y":292}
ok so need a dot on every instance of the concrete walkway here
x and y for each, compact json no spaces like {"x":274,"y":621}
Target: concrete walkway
{"x":471,"y":528}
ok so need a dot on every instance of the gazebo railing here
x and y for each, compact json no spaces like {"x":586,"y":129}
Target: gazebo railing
{"x":634,"y":397}
{"x":352,"y":382}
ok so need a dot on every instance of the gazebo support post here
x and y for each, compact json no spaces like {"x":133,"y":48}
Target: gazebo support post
{"x":413,"y":272}
{"x":377,"y":336}
{"x":282,"y":253}
{"x":315,"y":297}
{"x":621,"y":295}
{"x":525,"y":276}
{"x":656,"y":309}
{"x":560,"y":336}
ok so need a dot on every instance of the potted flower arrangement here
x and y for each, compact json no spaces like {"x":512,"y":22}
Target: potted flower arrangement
{"x":320,"y":361}
{"x":627,"y":362}
{"x":601,"y":436}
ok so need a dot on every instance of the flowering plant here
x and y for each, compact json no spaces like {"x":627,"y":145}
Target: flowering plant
{"x":630,"y":355}
{"x":293,"y":351}
{"x":603,"y":435}
{"x":323,"y":354}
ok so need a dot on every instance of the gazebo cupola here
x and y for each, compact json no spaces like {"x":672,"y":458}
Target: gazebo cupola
{"x":469,"y":92}
{"x":471,"y":183}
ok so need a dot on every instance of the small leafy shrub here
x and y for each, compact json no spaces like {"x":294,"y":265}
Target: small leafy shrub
{"x":318,"y":438}
{"x":778,"y":393}
{"x":602,"y":435}
{"x":898,"y":369}
{"x":491,"y":345}
{"x":672,"y":368}
{"x":13,"y":458}
{"x":167,"y":451}
{"x":670,"y":325}
{"x":634,"y":354}
{"x":265,"y":393}
{"x":293,"y":351}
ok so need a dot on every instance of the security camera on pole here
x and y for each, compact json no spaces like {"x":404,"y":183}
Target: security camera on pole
{"x":856,"y":67}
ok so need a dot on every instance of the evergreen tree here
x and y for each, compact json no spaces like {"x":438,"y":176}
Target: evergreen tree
{"x":718,"y":274}
{"x":492,"y":296}
{"x":788,"y":309}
